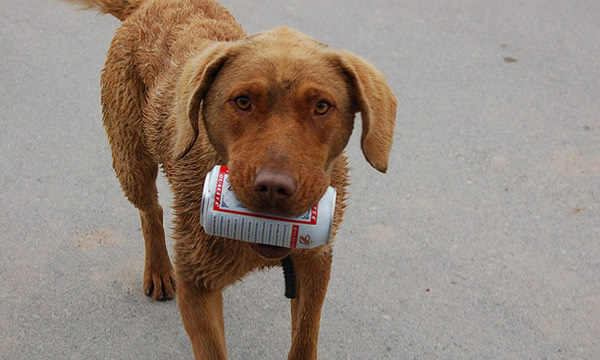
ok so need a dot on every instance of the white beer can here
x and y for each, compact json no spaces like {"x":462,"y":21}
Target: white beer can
{"x":222,"y":214}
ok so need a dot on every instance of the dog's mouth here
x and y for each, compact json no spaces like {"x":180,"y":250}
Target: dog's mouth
{"x":271,"y":252}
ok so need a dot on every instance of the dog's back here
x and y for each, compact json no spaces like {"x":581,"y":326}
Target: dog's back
{"x":145,"y":61}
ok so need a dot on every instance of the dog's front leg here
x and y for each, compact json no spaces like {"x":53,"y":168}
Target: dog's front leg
{"x":202,"y":314}
{"x":312,"y":276}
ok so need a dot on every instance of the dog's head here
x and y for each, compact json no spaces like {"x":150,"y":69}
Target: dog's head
{"x":279,"y":107}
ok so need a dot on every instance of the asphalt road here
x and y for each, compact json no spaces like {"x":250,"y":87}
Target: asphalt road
{"x":481,"y":242}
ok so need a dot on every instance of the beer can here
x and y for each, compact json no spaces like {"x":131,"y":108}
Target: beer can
{"x":222,"y":214}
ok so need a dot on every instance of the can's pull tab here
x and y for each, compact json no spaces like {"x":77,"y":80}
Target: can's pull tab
{"x":289,"y":273}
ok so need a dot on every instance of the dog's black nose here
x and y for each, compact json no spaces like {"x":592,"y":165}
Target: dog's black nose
{"x":274,"y":187}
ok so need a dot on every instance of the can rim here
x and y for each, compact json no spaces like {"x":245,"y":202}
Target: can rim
{"x":206,"y":193}
{"x":332,"y":213}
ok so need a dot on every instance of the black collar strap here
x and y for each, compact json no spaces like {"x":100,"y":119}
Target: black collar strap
{"x":289,"y":273}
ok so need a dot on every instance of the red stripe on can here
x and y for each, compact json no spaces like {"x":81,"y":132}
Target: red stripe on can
{"x":294,"y":240}
{"x":219,"y":190}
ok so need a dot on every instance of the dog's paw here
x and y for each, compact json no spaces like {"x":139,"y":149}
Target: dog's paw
{"x":159,"y":284}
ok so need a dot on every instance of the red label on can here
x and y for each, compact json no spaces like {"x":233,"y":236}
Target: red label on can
{"x":219,"y":190}
{"x":295,"y":229}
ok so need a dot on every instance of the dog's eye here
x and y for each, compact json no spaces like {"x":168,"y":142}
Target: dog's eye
{"x":322,"y":107}
{"x":242,"y":102}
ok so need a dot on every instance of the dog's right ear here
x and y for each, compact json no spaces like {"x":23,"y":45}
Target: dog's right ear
{"x":197,"y":77}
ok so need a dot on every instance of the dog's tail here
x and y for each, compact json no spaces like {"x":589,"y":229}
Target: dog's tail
{"x":121,"y":9}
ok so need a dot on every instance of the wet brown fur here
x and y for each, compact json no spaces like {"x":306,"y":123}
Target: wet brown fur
{"x":172,"y":74}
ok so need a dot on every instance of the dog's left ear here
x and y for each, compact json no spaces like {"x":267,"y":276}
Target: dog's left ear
{"x":377,"y":106}
{"x":197,"y":77}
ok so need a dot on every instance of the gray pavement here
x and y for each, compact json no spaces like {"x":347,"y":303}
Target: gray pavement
{"x":481,"y":242}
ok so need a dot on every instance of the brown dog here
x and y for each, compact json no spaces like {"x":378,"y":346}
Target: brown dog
{"x":185,"y":88}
